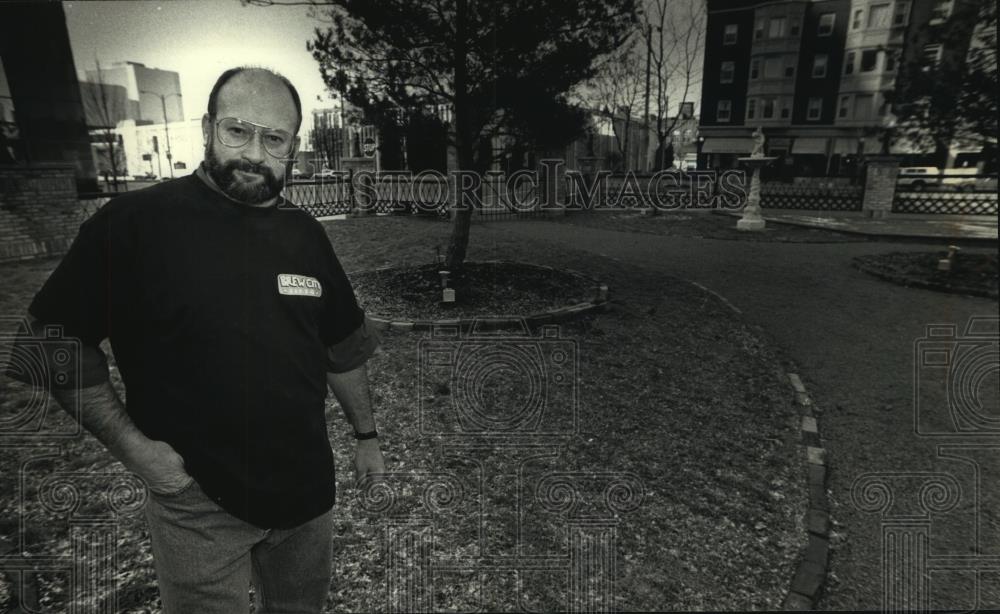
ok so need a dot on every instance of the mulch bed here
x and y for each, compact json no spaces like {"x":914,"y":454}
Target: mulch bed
{"x":971,"y":274}
{"x":703,"y":225}
{"x":671,"y":387}
{"x":481,"y":289}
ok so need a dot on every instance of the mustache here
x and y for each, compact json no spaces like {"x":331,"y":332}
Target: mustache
{"x":248,"y":167}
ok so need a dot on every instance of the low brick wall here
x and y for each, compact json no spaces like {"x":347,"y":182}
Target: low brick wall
{"x":40,"y":213}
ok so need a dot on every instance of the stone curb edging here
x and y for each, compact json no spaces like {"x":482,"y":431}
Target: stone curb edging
{"x":811,"y":572}
{"x":550,"y":316}
{"x":905,"y":281}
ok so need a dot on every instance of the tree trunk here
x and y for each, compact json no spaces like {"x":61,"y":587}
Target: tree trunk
{"x":459,"y":242}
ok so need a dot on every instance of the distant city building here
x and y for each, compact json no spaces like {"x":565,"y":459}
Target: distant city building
{"x":104,"y":105}
{"x":813,"y":75}
{"x":144,"y":87}
{"x":146,"y":147}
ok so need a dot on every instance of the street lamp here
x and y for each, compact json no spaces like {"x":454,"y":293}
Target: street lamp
{"x":166,"y":130}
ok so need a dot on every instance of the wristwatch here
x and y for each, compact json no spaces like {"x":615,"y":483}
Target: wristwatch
{"x":368,"y":435}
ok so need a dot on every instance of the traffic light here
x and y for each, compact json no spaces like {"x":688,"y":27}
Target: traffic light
{"x":156,"y":144}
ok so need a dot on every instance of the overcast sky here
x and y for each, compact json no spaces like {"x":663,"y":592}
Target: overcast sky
{"x":198,"y":40}
{"x":201,"y":39}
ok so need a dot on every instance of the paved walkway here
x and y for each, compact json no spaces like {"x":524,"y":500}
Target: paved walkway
{"x":852,"y":338}
{"x":952,"y":227}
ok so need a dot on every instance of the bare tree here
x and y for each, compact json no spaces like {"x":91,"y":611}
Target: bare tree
{"x":103,"y":110}
{"x":675,"y":32}
{"x":617,"y":93}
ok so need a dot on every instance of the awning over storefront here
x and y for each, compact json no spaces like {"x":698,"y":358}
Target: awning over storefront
{"x":809,"y":145}
{"x":734,"y":145}
{"x":849,"y":147}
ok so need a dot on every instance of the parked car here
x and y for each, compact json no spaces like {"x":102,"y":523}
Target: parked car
{"x":918,"y":178}
{"x":960,"y":179}
{"x":326,"y":172}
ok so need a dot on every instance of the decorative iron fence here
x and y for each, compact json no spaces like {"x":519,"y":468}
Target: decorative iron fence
{"x":499,"y":197}
{"x":775,"y":195}
{"x":680,"y":190}
{"x":944,"y":203}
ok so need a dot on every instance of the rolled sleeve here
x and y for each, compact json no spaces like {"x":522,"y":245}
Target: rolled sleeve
{"x":354,"y":350}
{"x":42,"y":357}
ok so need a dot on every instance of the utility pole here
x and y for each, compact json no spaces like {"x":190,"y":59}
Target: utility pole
{"x":166,"y":130}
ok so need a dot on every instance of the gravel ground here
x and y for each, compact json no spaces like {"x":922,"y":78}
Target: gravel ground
{"x":674,"y":393}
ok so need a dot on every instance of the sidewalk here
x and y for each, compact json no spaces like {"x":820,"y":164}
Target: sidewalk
{"x":951,"y":227}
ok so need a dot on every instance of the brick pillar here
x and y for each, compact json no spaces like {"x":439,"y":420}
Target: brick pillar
{"x":880,"y":185}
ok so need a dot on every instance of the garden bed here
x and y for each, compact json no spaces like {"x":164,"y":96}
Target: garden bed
{"x":482,"y":289}
{"x":970,"y":274}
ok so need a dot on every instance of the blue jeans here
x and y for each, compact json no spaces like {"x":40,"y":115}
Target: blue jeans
{"x":205,"y":559}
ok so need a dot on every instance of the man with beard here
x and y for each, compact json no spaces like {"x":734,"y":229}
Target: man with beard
{"x":229,"y":315}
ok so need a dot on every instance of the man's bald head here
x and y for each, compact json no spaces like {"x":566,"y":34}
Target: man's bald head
{"x":252,"y":78}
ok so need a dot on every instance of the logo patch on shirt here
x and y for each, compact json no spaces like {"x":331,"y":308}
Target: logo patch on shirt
{"x":299,"y":285}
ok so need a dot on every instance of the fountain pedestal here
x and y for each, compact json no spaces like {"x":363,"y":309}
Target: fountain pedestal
{"x":752,"y":221}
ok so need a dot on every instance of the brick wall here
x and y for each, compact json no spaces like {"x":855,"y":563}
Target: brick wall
{"x":39,"y":211}
{"x":880,"y":186}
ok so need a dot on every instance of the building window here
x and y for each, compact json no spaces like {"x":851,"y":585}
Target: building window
{"x":826,"y":21}
{"x":786,"y":108}
{"x":819,"y":67}
{"x":849,"y":62}
{"x":790,"y":67}
{"x":723,"y":110}
{"x":932,"y":56}
{"x":758,"y":30}
{"x":883,"y":109}
{"x":726,"y":72}
{"x":729,"y":34}
{"x":772,"y":68}
{"x":755,"y":68}
{"x":901,"y":14}
{"x":751,"y":108}
{"x":941,"y":11}
{"x":890,"y":60}
{"x":815,"y":108}
{"x":878,"y":17}
{"x":845,"y":102}
{"x":776,"y":28}
{"x":869,"y":59}
{"x":857,"y":19}
{"x":794,"y":30}
{"x":768,"y":111}
{"x":863,"y":106}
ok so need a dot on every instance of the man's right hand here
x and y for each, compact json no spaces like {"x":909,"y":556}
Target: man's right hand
{"x":159,"y":465}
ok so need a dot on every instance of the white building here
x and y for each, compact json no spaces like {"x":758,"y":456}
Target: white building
{"x":146,"y":147}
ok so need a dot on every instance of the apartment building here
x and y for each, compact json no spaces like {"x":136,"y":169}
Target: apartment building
{"x":813,"y":75}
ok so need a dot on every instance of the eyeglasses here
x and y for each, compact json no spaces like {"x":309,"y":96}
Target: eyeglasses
{"x":234,"y":132}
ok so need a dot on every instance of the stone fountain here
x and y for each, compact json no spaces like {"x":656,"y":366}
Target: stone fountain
{"x":752,"y":220}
